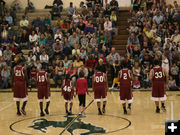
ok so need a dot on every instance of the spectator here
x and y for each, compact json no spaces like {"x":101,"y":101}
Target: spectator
{"x":58,"y":48}
{"x":165,"y":63}
{"x":175,"y":37}
{"x":55,"y":12}
{"x":33,"y":76}
{"x":59,"y":74}
{"x":24,"y":22}
{"x":71,"y":70}
{"x":114,"y":6}
{"x":37,"y":23}
{"x":175,"y":73}
{"x":77,"y":62}
{"x":84,"y":69}
{"x":111,"y":58}
{"x":44,"y":58}
{"x":108,"y":25}
{"x":46,"y":21}
{"x":73,"y":39}
{"x":70,"y":10}
{"x":158,"y":18}
{"x":59,"y":4}
{"x":16,"y":5}
{"x":30,"y":6}
{"x":133,"y":39}
{"x":9,"y":18}
{"x":31,"y":57}
{"x":5,"y":75}
{"x":58,"y":35}
{"x":91,"y":62}
{"x":33,"y":38}
{"x":7,"y":55}
{"x":89,"y":29}
{"x":76,"y":17}
{"x":101,"y":41}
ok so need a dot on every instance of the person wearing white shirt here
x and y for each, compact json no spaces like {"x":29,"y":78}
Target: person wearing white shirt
{"x":33,"y":38}
{"x":165,"y":63}
{"x":44,"y":58}
{"x":0,"y":53}
{"x":58,"y":35}
{"x":108,"y":25}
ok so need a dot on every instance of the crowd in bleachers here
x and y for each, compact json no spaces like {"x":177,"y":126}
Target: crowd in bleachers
{"x":154,"y":33}
{"x":79,"y":41}
{"x":82,"y":40}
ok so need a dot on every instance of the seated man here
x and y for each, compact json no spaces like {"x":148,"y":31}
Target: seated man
{"x":55,"y":12}
{"x":16,"y":5}
{"x":59,"y":4}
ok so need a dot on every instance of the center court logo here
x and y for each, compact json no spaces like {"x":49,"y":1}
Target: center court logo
{"x":58,"y":124}
{"x":42,"y":125}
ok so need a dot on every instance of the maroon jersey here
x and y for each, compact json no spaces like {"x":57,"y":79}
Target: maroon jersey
{"x":19,"y":73}
{"x":158,"y":83}
{"x":67,"y":90}
{"x":42,"y":78}
{"x":99,"y":80}
{"x":158,"y":75}
{"x":125,"y":77}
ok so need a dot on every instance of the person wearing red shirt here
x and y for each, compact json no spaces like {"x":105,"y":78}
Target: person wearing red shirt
{"x":91,"y":62}
{"x":81,"y":90}
{"x":32,"y":76}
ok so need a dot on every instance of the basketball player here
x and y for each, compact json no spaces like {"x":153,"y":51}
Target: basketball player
{"x":125,"y":77}
{"x":100,"y":88}
{"x":19,"y":79}
{"x":67,"y":93}
{"x":43,"y":90}
{"x":157,"y":76}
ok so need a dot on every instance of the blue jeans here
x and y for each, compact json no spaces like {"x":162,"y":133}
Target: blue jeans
{"x":5,"y":83}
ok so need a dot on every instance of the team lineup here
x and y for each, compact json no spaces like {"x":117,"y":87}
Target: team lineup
{"x":158,"y":77}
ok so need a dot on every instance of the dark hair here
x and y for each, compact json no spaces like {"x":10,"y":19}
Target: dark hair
{"x":156,"y":62}
{"x":124,"y":64}
{"x":67,"y":76}
{"x":81,"y":74}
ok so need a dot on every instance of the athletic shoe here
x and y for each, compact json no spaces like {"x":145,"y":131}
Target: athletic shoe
{"x":163,"y":108}
{"x":23,"y":112}
{"x":69,"y":113}
{"x":42,"y":114}
{"x":103,"y":110}
{"x":157,"y":110}
{"x":111,"y":88}
{"x":18,"y":113}
{"x":46,"y":111}
{"x":125,"y":112}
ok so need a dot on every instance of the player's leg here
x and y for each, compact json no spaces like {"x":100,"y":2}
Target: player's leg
{"x":124,"y":108}
{"x":47,"y":107}
{"x":18,"y":106}
{"x":157,"y":107}
{"x":99,"y":107}
{"x":163,"y":106}
{"x":104,"y":106}
{"x":66,"y":107}
{"x":70,"y":109}
{"x":23,"y":107}
{"x":47,"y":97}
{"x":41,"y":107}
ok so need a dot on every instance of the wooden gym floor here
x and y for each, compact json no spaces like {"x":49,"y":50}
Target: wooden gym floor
{"x":142,"y":121}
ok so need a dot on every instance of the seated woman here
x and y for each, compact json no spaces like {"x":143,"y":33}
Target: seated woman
{"x":71,"y":70}
{"x":136,"y":73}
{"x":59,"y":74}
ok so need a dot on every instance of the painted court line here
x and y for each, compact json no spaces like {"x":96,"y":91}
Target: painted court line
{"x":172,"y":111}
{"x":5,"y":107}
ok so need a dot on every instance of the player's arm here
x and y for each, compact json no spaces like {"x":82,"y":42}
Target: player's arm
{"x":151,"y":75}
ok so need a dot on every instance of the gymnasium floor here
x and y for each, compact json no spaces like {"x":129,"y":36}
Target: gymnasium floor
{"x":142,"y":121}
